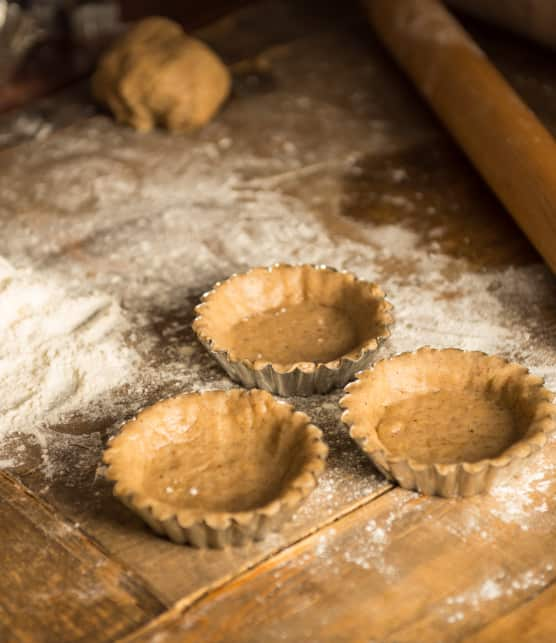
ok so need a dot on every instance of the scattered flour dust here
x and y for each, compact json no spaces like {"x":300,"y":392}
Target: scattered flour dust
{"x":59,"y":353}
{"x":468,"y":604}
{"x":519,"y":499}
{"x":368,"y":548}
{"x":518,"y":503}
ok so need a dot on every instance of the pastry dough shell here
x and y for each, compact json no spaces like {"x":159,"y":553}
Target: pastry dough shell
{"x":236,"y":428}
{"x":428,"y":370}
{"x":283,"y":284}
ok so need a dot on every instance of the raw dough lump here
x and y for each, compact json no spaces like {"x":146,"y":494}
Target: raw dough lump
{"x":157,"y":75}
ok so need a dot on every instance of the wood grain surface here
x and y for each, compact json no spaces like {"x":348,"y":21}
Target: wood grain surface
{"x":532,"y":621}
{"x":362,"y":561}
{"x":410,"y":568}
{"x":56,"y":585}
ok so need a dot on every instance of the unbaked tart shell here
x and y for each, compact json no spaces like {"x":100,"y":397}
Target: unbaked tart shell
{"x":216,"y":468}
{"x":293,"y":330}
{"x":448,"y":422}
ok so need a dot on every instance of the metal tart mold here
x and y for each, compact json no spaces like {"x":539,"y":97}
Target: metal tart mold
{"x":448,"y":422}
{"x":216,"y":468}
{"x":335,"y":323}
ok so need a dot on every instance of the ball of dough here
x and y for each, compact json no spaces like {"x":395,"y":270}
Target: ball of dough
{"x":157,"y":75}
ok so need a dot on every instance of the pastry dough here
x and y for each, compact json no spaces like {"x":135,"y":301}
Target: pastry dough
{"x":448,"y":422}
{"x":293,"y":330}
{"x":216,"y":468}
{"x":157,"y":75}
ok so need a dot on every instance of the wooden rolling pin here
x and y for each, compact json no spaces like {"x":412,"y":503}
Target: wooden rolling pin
{"x":514,"y":153}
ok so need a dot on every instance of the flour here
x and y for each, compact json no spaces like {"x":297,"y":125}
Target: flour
{"x":349,"y":476}
{"x":503,"y":587}
{"x":59,"y":353}
{"x":520,"y":498}
{"x":366,"y":549}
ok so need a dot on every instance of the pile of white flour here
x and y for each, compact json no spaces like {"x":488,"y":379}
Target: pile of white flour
{"x":59,"y":354}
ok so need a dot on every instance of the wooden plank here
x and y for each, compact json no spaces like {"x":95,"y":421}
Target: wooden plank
{"x":402,"y":568}
{"x":55,"y":584}
{"x":246,"y":33}
{"x":531,"y":622}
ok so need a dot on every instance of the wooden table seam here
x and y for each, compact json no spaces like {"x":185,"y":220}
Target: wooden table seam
{"x":181,"y":606}
{"x":86,"y":539}
{"x":527,"y":599}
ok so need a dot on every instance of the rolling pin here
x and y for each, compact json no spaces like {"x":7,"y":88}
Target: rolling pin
{"x":502,"y":137}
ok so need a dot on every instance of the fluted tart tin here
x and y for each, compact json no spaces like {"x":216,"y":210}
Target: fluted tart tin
{"x":448,"y":422}
{"x":293,"y":329}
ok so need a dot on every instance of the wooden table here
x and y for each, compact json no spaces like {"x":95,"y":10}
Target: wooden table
{"x":320,"y":118}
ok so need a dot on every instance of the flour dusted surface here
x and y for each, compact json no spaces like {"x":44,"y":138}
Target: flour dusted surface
{"x":60,"y":352}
